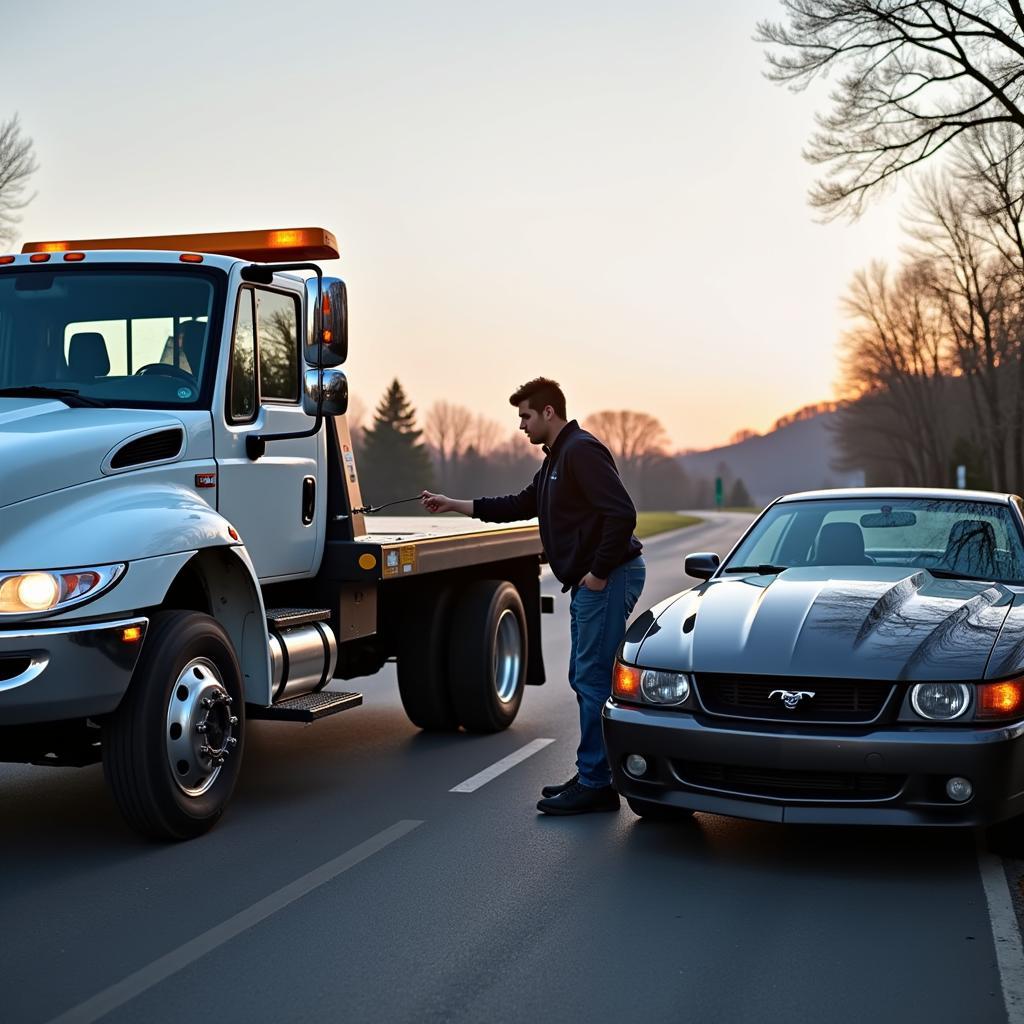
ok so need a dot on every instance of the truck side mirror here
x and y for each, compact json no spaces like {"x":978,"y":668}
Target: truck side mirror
{"x":329,"y":322}
{"x":701,"y":566}
{"x":335,"y":388}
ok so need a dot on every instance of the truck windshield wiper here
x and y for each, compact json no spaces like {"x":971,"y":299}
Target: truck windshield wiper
{"x":69,"y":396}
{"x":761,"y":570}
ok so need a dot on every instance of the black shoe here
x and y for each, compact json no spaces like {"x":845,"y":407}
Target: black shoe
{"x":580,"y":799}
{"x":561,"y":787}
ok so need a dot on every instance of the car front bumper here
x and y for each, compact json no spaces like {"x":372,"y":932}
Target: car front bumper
{"x":49,"y":673}
{"x":885,"y":776}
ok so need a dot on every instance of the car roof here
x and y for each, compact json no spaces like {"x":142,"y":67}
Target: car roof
{"x":935,"y":493}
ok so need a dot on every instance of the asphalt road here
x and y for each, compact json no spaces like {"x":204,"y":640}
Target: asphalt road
{"x":347,"y":883}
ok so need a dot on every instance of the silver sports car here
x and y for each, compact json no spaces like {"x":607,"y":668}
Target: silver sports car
{"x":857,"y":658}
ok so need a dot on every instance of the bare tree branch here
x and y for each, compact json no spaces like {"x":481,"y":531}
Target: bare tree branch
{"x":917,"y":74}
{"x":17,"y":165}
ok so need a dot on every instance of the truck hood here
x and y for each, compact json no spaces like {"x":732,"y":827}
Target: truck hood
{"x":46,"y":446}
{"x":862,"y":622}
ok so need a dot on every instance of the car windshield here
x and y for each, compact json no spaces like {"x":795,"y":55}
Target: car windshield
{"x":967,"y":539}
{"x":116,"y":336}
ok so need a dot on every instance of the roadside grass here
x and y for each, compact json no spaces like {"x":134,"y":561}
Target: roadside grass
{"x":650,"y":523}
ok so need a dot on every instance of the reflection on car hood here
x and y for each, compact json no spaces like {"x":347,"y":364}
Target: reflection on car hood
{"x":869,"y":622}
{"x":45,"y":446}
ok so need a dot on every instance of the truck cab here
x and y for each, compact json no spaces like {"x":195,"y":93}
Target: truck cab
{"x":184,"y":545}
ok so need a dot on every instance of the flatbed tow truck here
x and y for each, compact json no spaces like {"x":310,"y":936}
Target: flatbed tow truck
{"x":183,"y":541}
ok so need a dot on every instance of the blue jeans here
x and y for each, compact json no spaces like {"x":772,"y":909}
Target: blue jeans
{"x":597,"y":625}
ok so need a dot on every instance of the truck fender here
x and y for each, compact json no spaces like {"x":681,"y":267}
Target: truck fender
{"x":223,"y":582}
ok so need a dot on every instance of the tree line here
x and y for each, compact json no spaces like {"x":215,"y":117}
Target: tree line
{"x":933,"y":363}
{"x":465,"y":454}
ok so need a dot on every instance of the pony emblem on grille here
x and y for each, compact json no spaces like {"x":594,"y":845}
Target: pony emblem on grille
{"x":791,"y":698}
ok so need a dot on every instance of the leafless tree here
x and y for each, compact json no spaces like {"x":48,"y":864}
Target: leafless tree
{"x":894,"y":364}
{"x":445,"y":428}
{"x":635,"y":439}
{"x":980,"y":294}
{"x":914,"y":75}
{"x":17,"y":165}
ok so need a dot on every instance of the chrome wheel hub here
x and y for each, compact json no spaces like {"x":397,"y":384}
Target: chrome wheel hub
{"x":508,"y":656}
{"x":200,"y":728}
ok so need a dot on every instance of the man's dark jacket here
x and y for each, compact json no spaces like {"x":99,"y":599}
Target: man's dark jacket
{"x":586,"y":517}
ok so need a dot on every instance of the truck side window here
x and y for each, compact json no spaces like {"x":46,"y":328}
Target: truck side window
{"x":243,"y":361}
{"x":277,"y":326}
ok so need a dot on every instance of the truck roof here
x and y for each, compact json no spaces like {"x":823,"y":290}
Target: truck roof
{"x":263,"y":246}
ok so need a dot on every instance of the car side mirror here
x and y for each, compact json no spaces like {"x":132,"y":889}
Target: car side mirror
{"x":329,"y":321}
{"x":335,"y":401}
{"x":701,"y":566}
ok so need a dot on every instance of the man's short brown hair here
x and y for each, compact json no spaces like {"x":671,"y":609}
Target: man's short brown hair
{"x":540,"y":392}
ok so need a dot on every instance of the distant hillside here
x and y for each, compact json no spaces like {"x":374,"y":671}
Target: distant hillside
{"x":795,"y":456}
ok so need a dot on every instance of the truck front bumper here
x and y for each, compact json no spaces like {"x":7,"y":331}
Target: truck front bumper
{"x":891,"y":775}
{"x":68,"y":671}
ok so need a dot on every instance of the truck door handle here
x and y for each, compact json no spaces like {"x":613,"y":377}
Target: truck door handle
{"x":308,"y":499}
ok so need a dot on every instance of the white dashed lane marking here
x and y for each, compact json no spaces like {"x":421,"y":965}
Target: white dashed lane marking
{"x":474,"y":782}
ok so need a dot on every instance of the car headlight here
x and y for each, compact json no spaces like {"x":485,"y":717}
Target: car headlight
{"x":940,"y":702}
{"x":664,"y":687}
{"x":26,"y":593}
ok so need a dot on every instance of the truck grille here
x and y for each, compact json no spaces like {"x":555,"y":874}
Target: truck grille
{"x":840,"y":701}
{"x":784,"y":783}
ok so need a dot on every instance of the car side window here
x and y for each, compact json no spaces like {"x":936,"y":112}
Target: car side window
{"x":242,"y":407}
{"x":277,"y":331}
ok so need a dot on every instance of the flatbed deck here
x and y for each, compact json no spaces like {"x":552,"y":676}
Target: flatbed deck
{"x":394,"y":547}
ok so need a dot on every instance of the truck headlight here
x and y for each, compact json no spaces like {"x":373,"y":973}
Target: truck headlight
{"x":664,"y":687}
{"x":26,"y":593}
{"x":940,"y":702}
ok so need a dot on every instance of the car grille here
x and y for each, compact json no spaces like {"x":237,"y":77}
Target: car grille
{"x":844,"y":701}
{"x":784,"y":783}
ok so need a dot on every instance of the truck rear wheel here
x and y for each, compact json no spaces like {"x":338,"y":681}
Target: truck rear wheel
{"x":173,"y":748}
{"x":423,"y":666}
{"x":488,"y":655}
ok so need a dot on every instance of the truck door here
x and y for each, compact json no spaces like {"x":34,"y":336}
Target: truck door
{"x":273,"y":502}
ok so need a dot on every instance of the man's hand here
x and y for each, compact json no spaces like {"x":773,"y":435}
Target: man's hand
{"x":592,"y":582}
{"x":437,"y":502}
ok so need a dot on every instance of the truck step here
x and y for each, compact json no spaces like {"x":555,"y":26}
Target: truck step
{"x":307,"y":707}
{"x":286,"y":618}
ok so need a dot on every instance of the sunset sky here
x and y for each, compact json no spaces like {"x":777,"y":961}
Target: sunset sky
{"x":608,"y":194}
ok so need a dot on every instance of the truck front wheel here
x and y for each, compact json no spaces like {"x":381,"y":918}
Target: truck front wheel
{"x":488,"y":656}
{"x":173,"y":748}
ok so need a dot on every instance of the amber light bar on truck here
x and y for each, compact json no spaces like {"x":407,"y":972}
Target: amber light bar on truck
{"x":274,"y":245}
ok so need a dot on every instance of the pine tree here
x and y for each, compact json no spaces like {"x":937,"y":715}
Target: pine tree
{"x":393,"y":462}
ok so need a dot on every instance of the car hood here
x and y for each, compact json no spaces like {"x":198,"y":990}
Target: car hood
{"x":869,"y":622}
{"x":46,"y":446}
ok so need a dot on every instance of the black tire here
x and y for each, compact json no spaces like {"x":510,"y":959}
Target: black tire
{"x":658,"y":812}
{"x":1006,"y":838}
{"x":136,"y":739}
{"x":423,"y":666}
{"x":478,"y":631}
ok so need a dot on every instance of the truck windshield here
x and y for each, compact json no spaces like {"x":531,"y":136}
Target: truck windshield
{"x":118,"y":336}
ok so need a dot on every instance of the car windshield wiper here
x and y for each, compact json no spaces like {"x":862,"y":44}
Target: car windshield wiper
{"x":761,"y":570}
{"x":945,"y":574}
{"x":69,"y":396}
